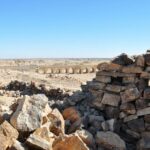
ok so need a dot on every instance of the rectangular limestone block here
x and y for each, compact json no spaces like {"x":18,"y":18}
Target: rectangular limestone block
{"x":111,"y":99}
{"x":142,"y":112}
{"x":130,"y":95}
{"x":147,"y":93}
{"x":127,"y":80}
{"x":145,"y":75}
{"x":132,"y":69}
{"x":129,"y":118}
{"x":94,"y":85}
{"x":114,"y":74}
{"x":103,"y":79}
{"x":109,"y":67}
{"x":114,"y":88}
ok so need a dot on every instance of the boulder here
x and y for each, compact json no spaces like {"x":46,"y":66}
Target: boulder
{"x":30,"y":112}
{"x":110,"y":140}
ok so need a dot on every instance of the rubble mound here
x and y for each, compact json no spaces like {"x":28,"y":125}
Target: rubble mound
{"x":112,"y":112}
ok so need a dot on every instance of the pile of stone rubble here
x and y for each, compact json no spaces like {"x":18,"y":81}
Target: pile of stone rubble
{"x":112,"y":112}
{"x":121,"y":94}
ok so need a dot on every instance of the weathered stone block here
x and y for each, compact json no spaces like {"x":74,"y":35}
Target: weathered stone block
{"x":103,"y":79}
{"x":130,"y":95}
{"x":142,"y":112}
{"x":129,"y":118}
{"x":145,"y":75}
{"x":132,"y":69}
{"x":128,"y":108}
{"x":147,"y":93}
{"x":111,"y":99}
{"x":114,"y":88}
{"x":114,"y":74}
{"x":96,"y":85}
{"x":141,"y":103}
{"x":109,"y":67}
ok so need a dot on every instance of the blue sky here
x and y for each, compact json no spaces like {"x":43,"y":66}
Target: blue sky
{"x":73,"y":28}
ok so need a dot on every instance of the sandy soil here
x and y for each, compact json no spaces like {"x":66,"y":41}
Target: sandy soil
{"x":25,"y":70}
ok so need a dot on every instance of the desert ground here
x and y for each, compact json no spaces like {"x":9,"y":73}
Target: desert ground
{"x":34,"y":70}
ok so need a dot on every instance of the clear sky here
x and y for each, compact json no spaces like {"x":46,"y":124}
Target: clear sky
{"x":73,"y":28}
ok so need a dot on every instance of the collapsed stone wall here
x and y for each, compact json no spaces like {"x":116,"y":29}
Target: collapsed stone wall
{"x":112,"y":112}
{"x":121,"y":94}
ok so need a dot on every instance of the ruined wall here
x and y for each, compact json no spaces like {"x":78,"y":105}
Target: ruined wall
{"x":68,"y":69}
{"x":121,"y":92}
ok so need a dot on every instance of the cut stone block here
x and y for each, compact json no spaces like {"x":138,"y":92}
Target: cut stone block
{"x":130,"y":95}
{"x":132,"y":69}
{"x":103,"y":79}
{"x":111,"y":99}
{"x":142,"y":112}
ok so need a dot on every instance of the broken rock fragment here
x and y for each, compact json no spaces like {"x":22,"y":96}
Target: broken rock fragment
{"x":70,"y":142}
{"x":41,"y":139}
{"x":7,"y":135}
{"x":30,"y":112}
